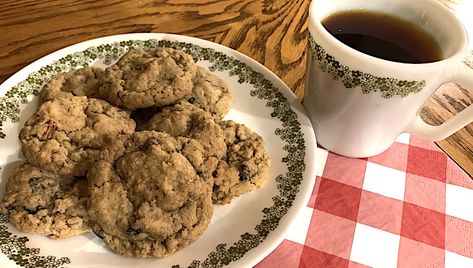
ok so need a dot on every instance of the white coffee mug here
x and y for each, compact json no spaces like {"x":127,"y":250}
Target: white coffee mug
{"x":360,"y":104}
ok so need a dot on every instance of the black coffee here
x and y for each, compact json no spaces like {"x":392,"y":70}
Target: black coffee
{"x":383,"y":36}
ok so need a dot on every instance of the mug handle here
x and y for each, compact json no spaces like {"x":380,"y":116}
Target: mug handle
{"x":464,"y":78}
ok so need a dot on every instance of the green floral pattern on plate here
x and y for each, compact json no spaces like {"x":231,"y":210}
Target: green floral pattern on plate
{"x":290,"y":133}
{"x":15,"y":249}
{"x":388,"y":87}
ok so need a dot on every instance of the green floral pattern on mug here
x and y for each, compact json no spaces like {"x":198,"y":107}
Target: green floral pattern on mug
{"x":388,"y":87}
{"x":290,"y":133}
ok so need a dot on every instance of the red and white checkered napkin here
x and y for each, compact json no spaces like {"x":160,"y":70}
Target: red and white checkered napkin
{"x":408,"y":207}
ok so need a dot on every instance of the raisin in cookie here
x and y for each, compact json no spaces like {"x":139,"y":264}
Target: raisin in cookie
{"x":41,"y":202}
{"x":245,"y":166}
{"x":142,"y":79}
{"x":187,"y":120}
{"x":151,"y":202}
{"x":210,"y":93}
{"x":67,"y":133}
{"x":81,"y":82}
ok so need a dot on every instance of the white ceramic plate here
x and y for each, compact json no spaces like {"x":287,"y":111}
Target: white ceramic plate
{"x":242,"y":233}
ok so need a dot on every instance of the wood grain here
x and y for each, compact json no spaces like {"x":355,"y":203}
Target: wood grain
{"x":273,"y":32}
{"x":449,"y":100}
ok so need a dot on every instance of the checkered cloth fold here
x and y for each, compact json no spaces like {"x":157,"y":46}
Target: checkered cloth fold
{"x":409,"y":207}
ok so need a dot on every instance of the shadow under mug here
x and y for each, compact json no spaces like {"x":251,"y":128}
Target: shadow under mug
{"x":360,"y":104}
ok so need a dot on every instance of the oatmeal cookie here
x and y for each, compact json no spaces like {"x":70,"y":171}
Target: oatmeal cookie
{"x":187,"y":120}
{"x":210,"y":93}
{"x":67,"y":133}
{"x":81,"y":82}
{"x":41,"y":202}
{"x":151,"y":202}
{"x":142,"y":79}
{"x":245,"y":166}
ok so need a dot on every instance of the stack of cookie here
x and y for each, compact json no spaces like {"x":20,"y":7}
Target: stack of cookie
{"x":138,"y":153}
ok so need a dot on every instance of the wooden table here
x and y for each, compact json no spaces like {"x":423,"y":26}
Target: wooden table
{"x":272,"y":32}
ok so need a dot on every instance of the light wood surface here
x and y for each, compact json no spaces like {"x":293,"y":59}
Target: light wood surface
{"x":273,"y":32}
